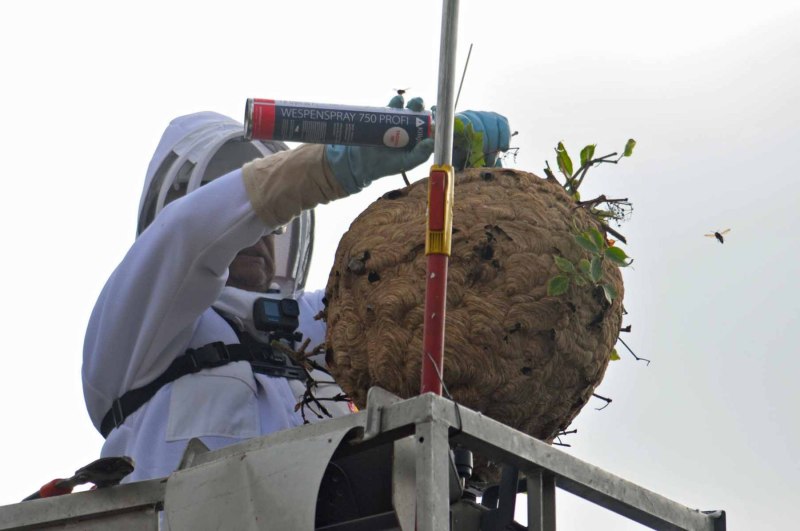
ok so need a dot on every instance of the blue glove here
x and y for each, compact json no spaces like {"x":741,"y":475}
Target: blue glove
{"x":496,"y":136}
{"x":355,"y":167}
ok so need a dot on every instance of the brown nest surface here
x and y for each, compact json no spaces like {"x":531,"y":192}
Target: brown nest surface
{"x":526,"y":359}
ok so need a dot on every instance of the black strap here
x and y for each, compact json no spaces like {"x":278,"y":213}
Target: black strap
{"x":263,"y":359}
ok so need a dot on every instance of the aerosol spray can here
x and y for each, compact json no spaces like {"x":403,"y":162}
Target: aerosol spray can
{"x":318,"y":123}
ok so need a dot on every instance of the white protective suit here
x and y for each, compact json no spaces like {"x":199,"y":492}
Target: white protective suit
{"x":158,"y":303}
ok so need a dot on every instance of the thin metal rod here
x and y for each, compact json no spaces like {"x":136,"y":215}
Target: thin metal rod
{"x":463,"y":75}
{"x":445,"y":103}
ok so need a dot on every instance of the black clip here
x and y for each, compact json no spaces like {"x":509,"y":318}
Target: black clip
{"x":211,"y":355}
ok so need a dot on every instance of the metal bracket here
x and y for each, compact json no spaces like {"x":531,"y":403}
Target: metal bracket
{"x":377,"y":400}
{"x":194,"y":448}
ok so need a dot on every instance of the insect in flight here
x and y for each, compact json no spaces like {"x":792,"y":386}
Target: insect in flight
{"x":718,"y":235}
{"x":398,"y":101}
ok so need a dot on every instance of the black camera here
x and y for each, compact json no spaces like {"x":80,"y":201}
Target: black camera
{"x":279,"y":318}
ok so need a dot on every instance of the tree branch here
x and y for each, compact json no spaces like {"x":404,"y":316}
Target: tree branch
{"x":632,"y":353}
{"x":589,"y":163}
{"x":607,"y":400}
{"x":614,"y":233}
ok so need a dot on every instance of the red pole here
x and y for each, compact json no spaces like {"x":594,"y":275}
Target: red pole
{"x":433,"y":343}
{"x":440,"y":208}
{"x":437,"y":247}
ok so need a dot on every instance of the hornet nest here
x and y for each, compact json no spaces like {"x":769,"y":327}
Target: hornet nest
{"x":519,"y":356}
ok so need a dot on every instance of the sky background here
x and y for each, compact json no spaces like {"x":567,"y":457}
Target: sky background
{"x":707,"y":88}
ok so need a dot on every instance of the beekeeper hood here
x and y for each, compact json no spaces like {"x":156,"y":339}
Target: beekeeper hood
{"x":196,"y":149}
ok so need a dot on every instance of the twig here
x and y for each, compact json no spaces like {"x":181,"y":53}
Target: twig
{"x":632,"y":353}
{"x":308,"y":399}
{"x":589,"y":163}
{"x":616,"y":234}
{"x":600,"y":199}
{"x":302,"y":352}
{"x":607,"y":400}
{"x":514,"y":151}
{"x":558,"y":438}
{"x":548,"y":172}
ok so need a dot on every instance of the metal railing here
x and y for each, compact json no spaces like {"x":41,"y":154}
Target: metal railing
{"x":285,"y":480}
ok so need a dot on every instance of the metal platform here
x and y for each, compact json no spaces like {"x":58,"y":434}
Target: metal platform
{"x":388,"y":467}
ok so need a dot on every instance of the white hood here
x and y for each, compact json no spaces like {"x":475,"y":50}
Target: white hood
{"x":196,"y":149}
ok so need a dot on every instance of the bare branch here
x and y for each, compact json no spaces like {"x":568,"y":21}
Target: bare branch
{"x":601,"y":199}
{"x":589,"y":163}
{"x":607,"y":400}
{"x":614,"y":233}
{"x":632,"y":353}
{"x":549,"y":173}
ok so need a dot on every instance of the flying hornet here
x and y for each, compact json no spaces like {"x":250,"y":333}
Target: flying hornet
{"x":398,"y":101}
{"x":718,"y":235}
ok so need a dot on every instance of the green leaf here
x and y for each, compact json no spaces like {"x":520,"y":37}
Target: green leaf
{"x":580,"y":281}
{"x":583,"y":265}
{"x":587,"y":153}
{"x":564,"y":162}
{"x":629,"y":148}
{"x":618,"y":256}
{"x":564,"y":264}
{"x":586,"y":243}
{"x":476,"y":149}
{"x":466,"y":138}
{"x":597,"y":238}
{"x":609,"y":292}
{"x":557,"y":285}
{"x":597,"y":269}
{"x":614,"y":355}
{"x":576,"y":196}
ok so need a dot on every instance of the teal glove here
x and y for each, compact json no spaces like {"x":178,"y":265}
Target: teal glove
{"x":496,"y":136}
{"x":355,"y":167}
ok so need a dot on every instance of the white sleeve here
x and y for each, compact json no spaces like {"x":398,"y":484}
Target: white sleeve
{"x":148,"y":309}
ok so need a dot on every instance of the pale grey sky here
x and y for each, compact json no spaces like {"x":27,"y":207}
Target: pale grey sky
{"x":708,"y":89}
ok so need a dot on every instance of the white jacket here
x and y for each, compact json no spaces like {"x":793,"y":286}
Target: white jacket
{"x":158,"y":302}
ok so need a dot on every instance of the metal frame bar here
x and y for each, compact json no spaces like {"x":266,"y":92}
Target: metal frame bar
{"x":541,"y":501}
{"x":437,"y":423}
{"x":506,"y":445}
{"x":120,"y":502}
{"x":433,"y":453}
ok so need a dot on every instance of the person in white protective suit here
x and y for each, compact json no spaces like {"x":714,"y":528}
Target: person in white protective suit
{"x":173,"y":348}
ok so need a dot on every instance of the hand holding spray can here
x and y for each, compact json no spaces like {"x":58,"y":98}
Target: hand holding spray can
{"x":317,"y":123}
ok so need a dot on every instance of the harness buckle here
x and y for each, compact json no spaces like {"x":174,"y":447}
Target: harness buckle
{"x":264,"y":353}
{"x":211,"y":355}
